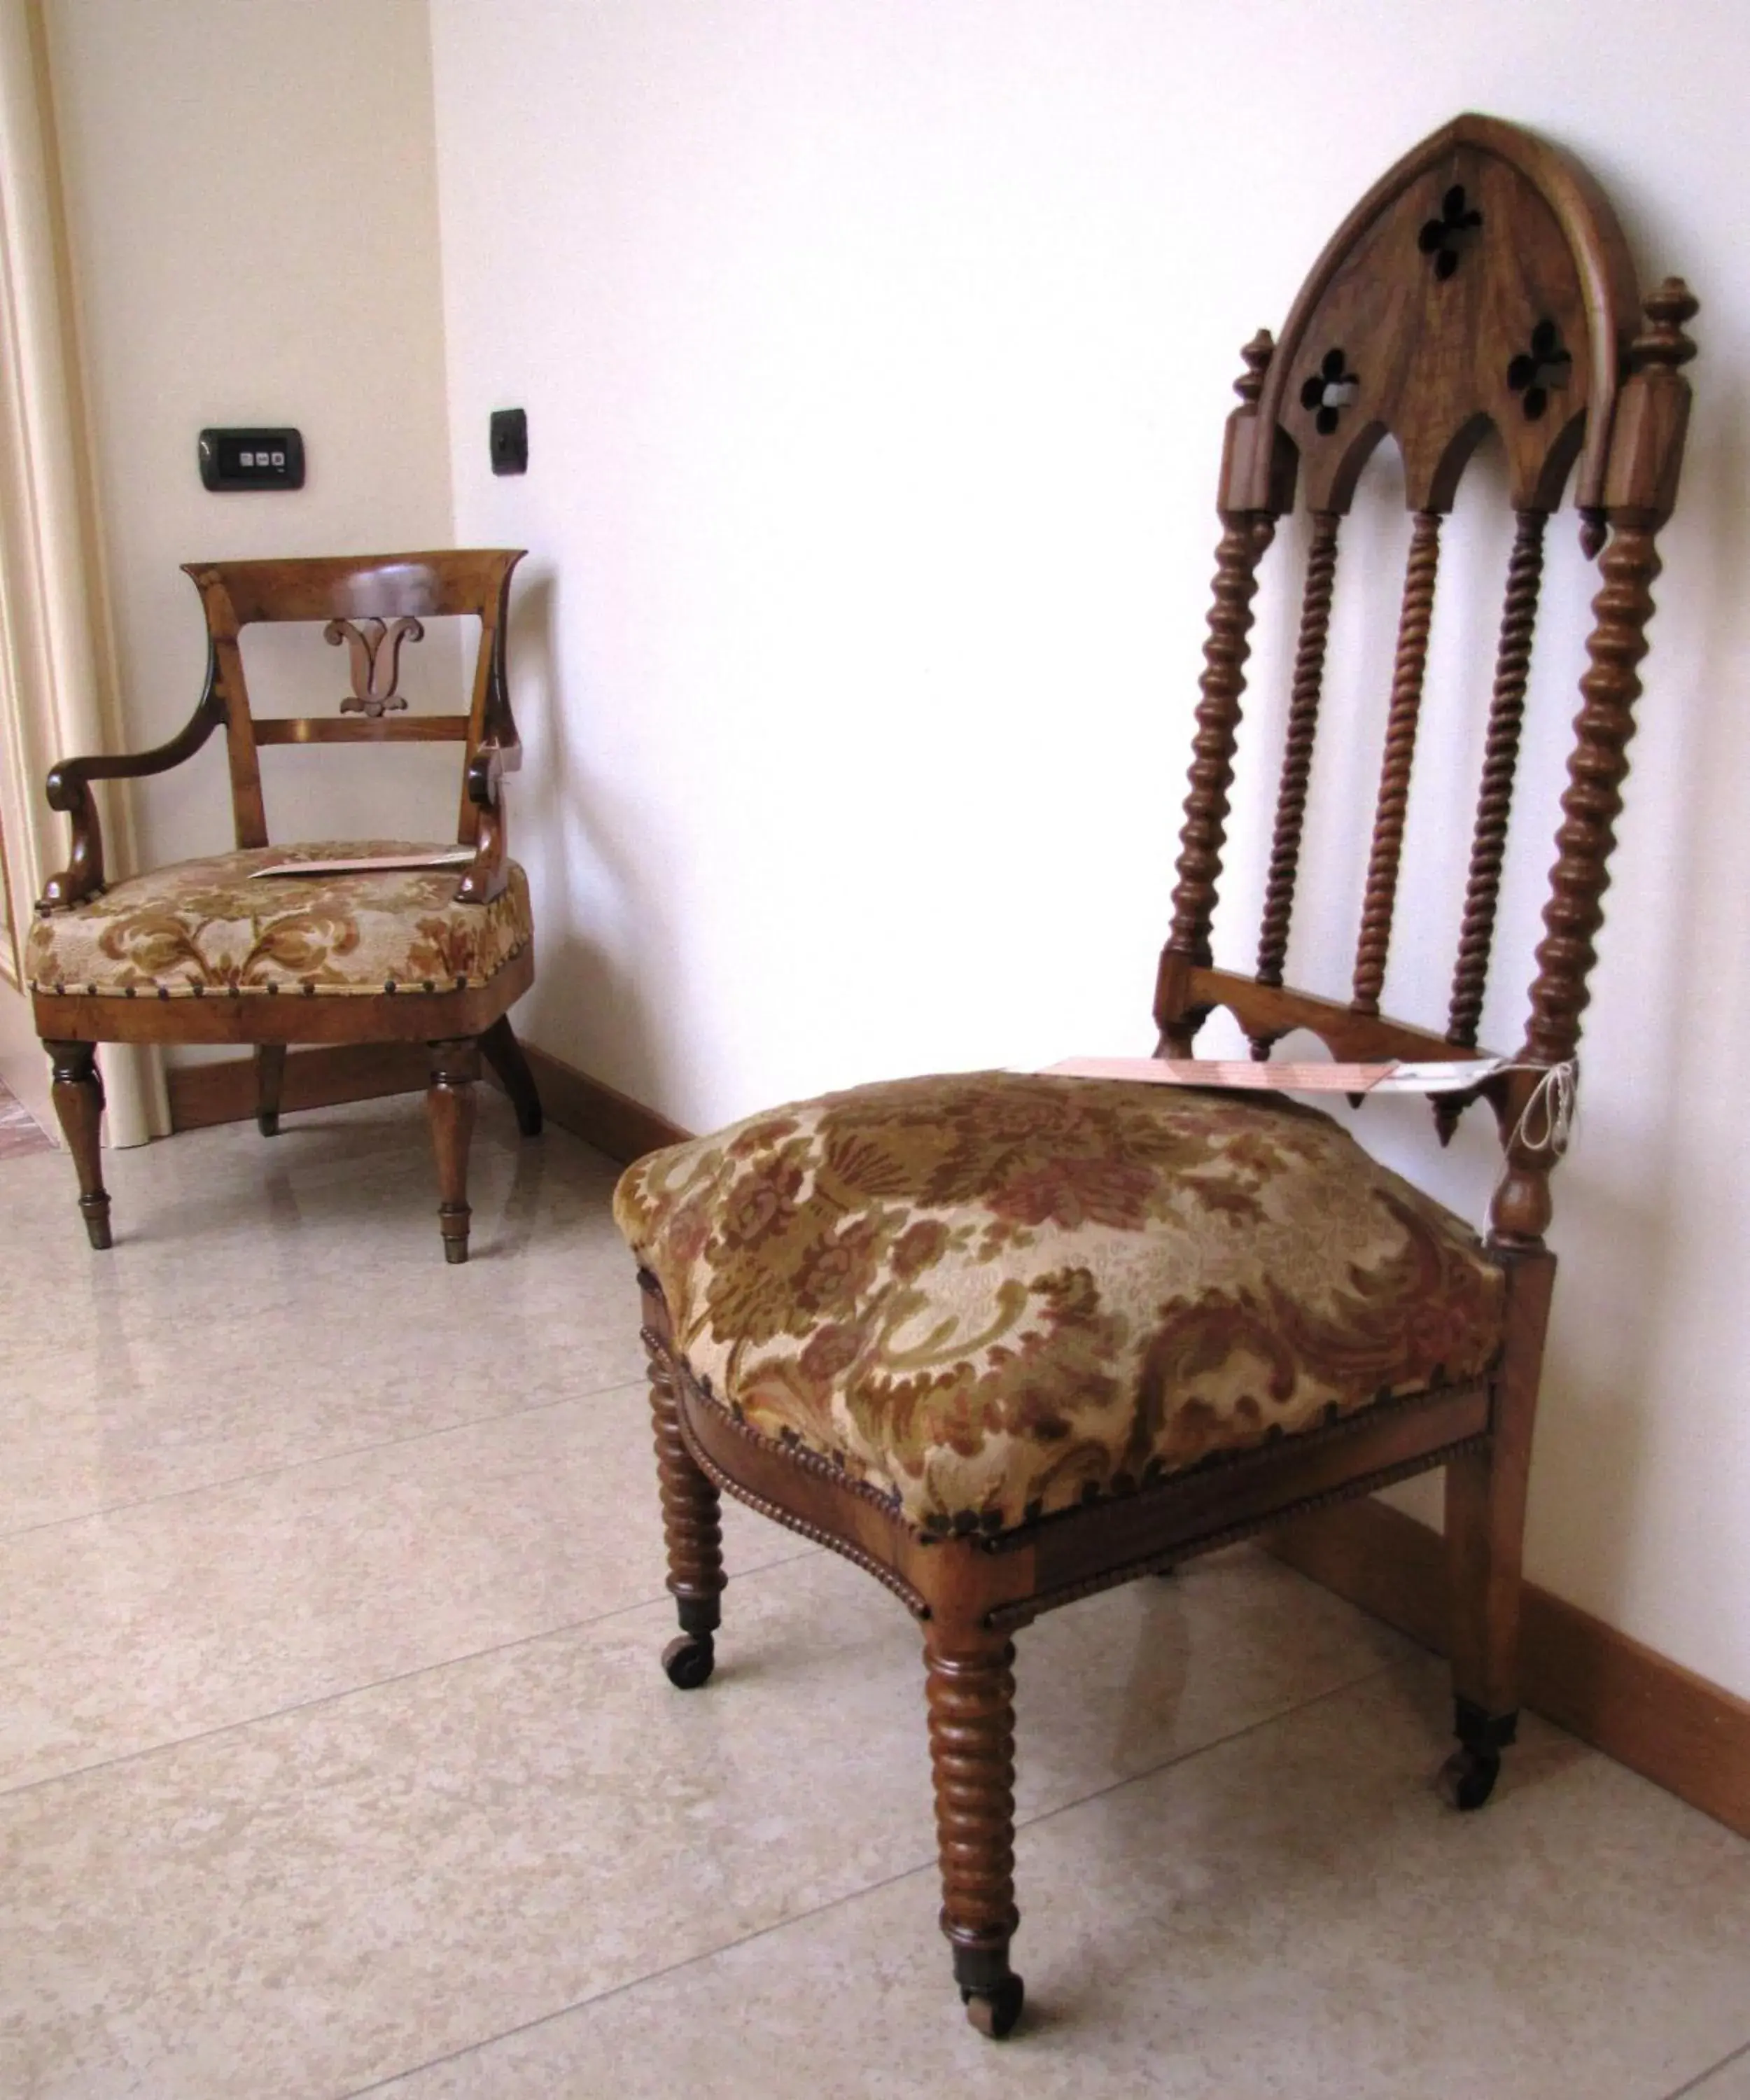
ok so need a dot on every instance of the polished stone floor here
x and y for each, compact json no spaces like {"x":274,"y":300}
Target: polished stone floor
{"x":19,"y":1130}
{"x":335,"y":1757}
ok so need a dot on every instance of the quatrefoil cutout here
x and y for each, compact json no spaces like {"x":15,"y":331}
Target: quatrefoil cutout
{"x":1543,"y":369}
{"x":1329,"y":391}
{"x":1444,"y":238}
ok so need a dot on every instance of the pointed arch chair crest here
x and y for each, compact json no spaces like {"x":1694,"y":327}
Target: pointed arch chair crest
{"x":1004,"y":1341}
{"x":208,"y":950}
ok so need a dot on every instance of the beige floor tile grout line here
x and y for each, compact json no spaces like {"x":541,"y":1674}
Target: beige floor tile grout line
{"x":1713,"y":2070}
{"x":886,"y":1882}
{"x":320,"y":1458}
{"x":803,"y":1552}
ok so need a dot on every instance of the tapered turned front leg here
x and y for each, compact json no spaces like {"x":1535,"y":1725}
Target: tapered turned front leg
{"x":692,"y":1513}
{"x":269,"y":1077}
{"x":450,"y":1106}
{"x":78,"y":1093}
{"x":1485,"y":1531}
{"x":971,"y":1691}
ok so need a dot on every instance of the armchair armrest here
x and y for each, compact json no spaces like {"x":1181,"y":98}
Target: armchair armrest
{"x":68,"y":789}
{"x":499,"y":751}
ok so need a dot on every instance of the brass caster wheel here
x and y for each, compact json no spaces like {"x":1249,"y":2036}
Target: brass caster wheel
{"x":1467,"y":1778}
{"x":688,"y":1659}
{"x":994,"y":2013}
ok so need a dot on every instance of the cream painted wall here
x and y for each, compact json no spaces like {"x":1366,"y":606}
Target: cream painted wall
{"x":875,"y":357}
{"x":251,"y":200}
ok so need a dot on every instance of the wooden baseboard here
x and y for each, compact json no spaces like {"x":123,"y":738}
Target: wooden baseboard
{"x":1690,"y":1736}
{"x":223,"y":1090}
{"x":610,"y":1121}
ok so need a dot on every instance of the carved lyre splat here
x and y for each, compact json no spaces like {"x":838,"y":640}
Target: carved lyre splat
{"x":374,"y":646}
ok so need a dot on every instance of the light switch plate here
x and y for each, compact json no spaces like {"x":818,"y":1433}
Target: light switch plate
{"x":232,"y":459}
{"x":509,"y":438}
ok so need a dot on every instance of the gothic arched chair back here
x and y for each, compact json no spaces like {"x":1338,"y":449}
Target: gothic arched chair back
{"x":1005,"y":1339}
{"x":1483,"y":285}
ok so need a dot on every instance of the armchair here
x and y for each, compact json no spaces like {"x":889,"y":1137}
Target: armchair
{"x":212,"y":951}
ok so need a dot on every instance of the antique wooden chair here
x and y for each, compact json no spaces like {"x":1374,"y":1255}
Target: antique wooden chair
{"x":1005,"y":1340}
{"x":209,"y":951}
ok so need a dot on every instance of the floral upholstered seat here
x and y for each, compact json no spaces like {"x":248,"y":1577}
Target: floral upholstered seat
{"x":991,"y":1296}
{"x":214,"y":926}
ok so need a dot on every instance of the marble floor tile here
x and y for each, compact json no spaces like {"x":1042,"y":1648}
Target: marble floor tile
{"x":340,"y":1758}
{"x":272,"y":1300}
{"x":1293,"y":1913}
{"x":197,"y":1611}
{"x":365,"y":1885}
{"x":1730,"y":2081}
{"x":19,"y":1131}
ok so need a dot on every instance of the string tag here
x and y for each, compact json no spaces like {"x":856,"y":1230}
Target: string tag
{"x":1546,"y":1121}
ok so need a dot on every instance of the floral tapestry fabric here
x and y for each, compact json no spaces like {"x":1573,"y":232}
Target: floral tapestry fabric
{"x":210,"y":926}
{"x":989,"y":1296}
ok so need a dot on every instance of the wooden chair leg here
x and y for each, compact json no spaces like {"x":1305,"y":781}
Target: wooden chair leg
{"x":78,"y":1095}
{"x":1485,"y":1530}
{"x":970,"y":1692}
{"x":450,"y":1108}
{"x":692,"y":1516}
{"x":270,"y":1076}
{"x":504,"y":1053}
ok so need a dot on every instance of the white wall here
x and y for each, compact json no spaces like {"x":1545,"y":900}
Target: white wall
{"x":875,"y":357}
{"x":252,"y":208}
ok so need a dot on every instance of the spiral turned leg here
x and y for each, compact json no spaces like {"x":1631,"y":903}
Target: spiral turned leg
{"x":971,"y":1691}
{"x":692,"y":1524}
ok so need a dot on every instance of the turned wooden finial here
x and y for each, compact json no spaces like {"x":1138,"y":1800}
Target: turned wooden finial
{"x":1258,"y":354}
{"x":1664,"y":341}
{"x":1660,"y":348}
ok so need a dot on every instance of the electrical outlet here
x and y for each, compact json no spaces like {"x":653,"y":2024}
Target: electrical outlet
{"x":252,"y":459}
{"x":509,"y":435}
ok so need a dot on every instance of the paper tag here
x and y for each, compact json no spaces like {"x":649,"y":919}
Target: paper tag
{"x":1397,"y":1076}
{"x":439,"y":857}
{"x":1439,"y":1075}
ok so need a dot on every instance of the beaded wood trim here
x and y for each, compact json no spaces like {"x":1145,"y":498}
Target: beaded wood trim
{"x":805,"y":1461}
{"x":1023,"y":1536}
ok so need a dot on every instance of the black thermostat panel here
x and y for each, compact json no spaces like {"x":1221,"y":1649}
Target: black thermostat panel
{"x":252,"y":459}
